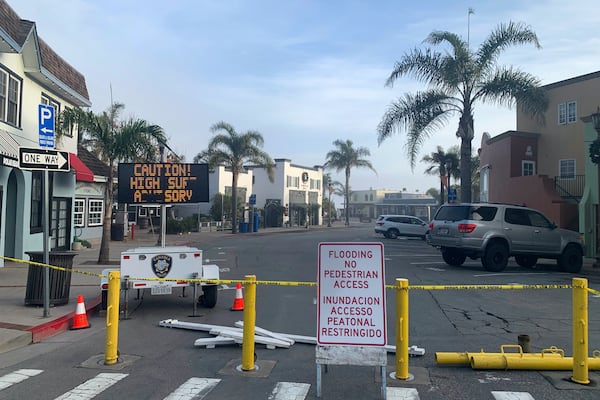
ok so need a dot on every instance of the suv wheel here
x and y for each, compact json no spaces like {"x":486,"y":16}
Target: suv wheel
{"x":495,"y":258}
{"x":526,"y":261}
{"x":392,"y":233}
{"x":571,"y":259}
{"x":453,"y":257}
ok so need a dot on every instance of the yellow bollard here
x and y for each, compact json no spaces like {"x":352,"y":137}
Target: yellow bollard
{"x":580,"y":331}
{"x":249,"y":322}
{"x":112,"y":318}
{"x":402,"y":329}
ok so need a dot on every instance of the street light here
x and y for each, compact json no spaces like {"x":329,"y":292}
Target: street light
{"x":329,"y":212}
{"x":448,"y":168}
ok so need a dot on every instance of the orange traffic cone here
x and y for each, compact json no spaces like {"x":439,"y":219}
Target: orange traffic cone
{"x":238,"y":302}
{"x":80,"y":319}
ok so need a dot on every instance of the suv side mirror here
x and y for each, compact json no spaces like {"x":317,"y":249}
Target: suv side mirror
{"x":552,"y":226}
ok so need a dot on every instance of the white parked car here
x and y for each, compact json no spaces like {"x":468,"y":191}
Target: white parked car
{"x":392,"y":226}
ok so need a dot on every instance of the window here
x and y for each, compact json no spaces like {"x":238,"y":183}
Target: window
{"x":79,"y":212}
{"x":366,"y":197}
{"x":538,"y":220}
{"x":315,"y":184}
{"x":484,"y":177}
{"x":10,"y":98}
{"x":35,"y":223}
{"x":517,"y":216}
{"x":293,"y":181}
{"x":571,"y":112}
{"x":566,"y":169}
{"x":527,"y":168}
{"x":48,"y":101}
{"x":95,"y":212}
{"x":567,"y":113}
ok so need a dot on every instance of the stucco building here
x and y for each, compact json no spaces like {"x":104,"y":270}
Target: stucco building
{"x":31,"y":73}
{"x":546,"y":165}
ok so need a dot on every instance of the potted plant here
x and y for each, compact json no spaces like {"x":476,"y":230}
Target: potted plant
{"x":77,"y":245}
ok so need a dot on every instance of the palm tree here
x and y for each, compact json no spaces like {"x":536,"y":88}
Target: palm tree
{"x":346,"y":157}
{"x":459,"y":78}
{"x":233,"y":150}
{"x":114,"y":141}
{"x":439,"y":162}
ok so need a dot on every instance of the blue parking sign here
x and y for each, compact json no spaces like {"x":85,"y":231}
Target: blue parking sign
{"x":451,"y":195}
{"x":46,"y":125}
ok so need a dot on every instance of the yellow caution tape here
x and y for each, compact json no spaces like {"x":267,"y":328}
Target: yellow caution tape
{"x":312,"y":284}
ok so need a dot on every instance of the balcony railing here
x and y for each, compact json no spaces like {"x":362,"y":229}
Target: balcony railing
{"x":570,"y":187}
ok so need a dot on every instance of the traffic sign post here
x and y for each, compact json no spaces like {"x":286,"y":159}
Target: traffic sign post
{"x":351,"y":314}
{"x":43,"y":159}
{"x":46,"y":126}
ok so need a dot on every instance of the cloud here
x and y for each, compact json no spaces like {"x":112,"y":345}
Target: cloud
{"x":303,"y":73}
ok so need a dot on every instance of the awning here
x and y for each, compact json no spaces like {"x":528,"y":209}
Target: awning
{"x":9,"y":150}
{"x":82,"y":172}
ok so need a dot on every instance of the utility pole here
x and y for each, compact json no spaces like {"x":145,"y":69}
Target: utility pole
{"x":329,"y":212}
{"x":471,"y":11}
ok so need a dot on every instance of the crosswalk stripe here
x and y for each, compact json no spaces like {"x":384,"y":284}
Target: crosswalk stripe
{"x":194,"y":388}
{"x":289,"y":391}
{"x":398,"y":393}
{"x":512,"y":396}
{"x":91,"y":388}
{"x":17,"y":376}
{"x":199,"y":388}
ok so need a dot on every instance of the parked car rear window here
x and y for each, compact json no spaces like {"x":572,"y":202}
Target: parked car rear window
{"x":458,"y":213}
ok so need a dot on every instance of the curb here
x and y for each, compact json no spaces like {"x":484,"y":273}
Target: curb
{"x":61,"y":324}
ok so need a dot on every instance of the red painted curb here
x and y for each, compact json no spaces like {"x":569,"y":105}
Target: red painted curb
{"x":61,"y":324}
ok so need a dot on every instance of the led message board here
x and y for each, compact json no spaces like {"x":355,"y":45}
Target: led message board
{"x":162,"y":183}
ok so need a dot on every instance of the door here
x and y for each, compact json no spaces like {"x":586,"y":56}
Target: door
{"x":547,"y":237}
{"x":518,"y":223}
{"x":60,"y":224}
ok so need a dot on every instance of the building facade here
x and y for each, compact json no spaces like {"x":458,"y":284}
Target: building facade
{"x":294,"y":198}
{"x":31,"y":73}
{"x":369,"y":204}
{"x":546,"y":164}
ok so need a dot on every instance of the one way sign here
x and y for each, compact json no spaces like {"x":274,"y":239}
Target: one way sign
{"x":34,"y":158}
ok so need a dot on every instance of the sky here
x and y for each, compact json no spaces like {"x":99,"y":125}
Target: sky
{"x":303,"y":73}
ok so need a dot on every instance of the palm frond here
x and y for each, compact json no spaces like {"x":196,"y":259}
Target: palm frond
{"x":424,"y":65}
{"x":504,"y":36}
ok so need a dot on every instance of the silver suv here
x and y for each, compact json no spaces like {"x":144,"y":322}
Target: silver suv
{"x":495,"y":232}
{"x":392,"y":226}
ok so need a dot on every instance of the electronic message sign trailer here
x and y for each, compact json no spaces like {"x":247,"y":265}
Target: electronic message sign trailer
{"x":351,"y":314}
{"x":161,"y":184}
{"x":176,"y":264}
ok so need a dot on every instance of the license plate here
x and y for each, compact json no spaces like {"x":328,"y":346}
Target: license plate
{"x":161,"y":290}
{"x":443,"y":231}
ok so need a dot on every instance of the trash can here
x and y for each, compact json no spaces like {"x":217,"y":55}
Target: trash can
{"x":117,"y":232}
{"x":255,"y":224}
{"x":243,"y":227}
{"x":60,"y":281}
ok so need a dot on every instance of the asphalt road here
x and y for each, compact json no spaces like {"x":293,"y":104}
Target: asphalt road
{"x":156,"y":361}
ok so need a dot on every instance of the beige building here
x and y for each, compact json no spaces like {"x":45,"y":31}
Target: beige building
{"x":547,"y":165}
{"x":369,"y":204}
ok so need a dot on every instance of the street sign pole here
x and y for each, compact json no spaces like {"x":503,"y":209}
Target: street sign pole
{"x":48,"y":159}
{"x":45,"y":224}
